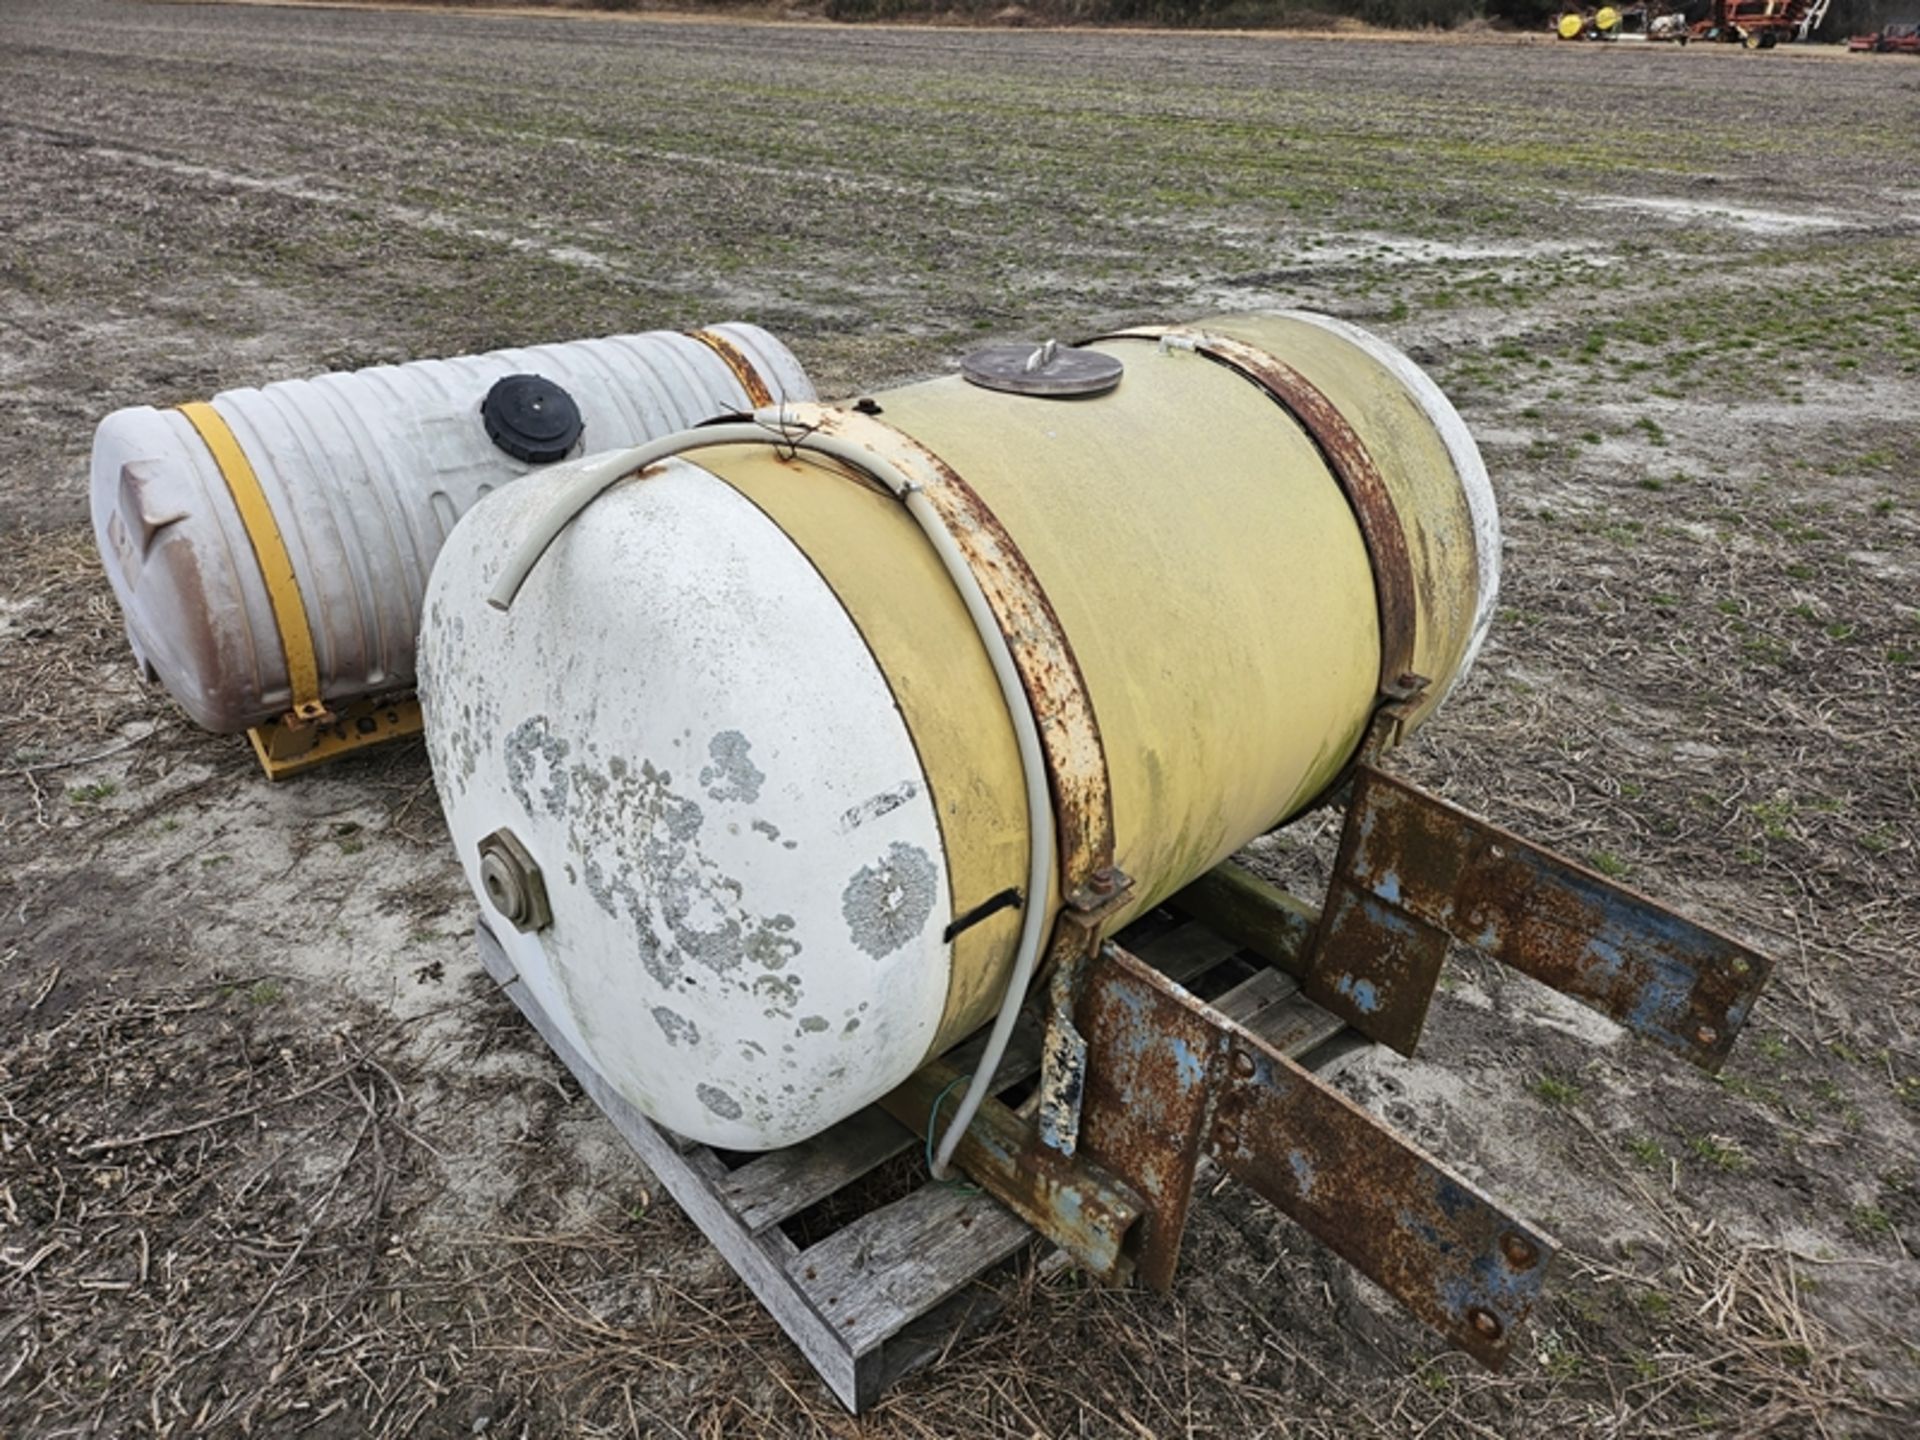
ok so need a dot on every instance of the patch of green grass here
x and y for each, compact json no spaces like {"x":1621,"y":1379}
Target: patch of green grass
{"x":1870,"y":1222}
{"x":265,"y":992}
{"x":1556,"y":1091}
{"x":92,"y":794}
{"x":1721,"y":1154}
{"x":1435,"y":1380}
{"x":1648,"y":1151}
{"x":1608,"y":863}
{"x":1774,"y":815}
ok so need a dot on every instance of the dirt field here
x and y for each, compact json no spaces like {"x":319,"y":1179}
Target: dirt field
{"x":275,"y":1160}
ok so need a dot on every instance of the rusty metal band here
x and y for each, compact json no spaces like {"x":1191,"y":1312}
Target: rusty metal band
{"x":270,"y":554}
{"x":1076,"y":758}
{"x":1352,"y":467}
{"x":743,"y":369}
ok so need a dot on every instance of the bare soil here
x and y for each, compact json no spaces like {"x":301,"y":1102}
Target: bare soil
{"x":275,"y":1159}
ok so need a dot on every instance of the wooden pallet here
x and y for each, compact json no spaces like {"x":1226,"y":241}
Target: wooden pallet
{"x":891,"y":1287}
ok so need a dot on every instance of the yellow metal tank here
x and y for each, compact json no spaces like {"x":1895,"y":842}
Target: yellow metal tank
{"x":747,"y":727}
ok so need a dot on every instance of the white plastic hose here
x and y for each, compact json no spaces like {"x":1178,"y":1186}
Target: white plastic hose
{"x":593,"y":478}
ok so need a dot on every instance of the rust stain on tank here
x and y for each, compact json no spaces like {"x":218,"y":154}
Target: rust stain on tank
{"x":743,"y":369}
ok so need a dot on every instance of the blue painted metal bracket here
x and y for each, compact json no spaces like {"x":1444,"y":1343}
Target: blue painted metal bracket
{"x":1415,"y":873}
{"x":1172,"y":1079}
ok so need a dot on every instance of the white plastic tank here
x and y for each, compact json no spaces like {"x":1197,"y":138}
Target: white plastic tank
{"x":278,"y":540}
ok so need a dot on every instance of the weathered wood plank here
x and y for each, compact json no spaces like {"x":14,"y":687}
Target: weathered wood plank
{"x":895,"y":1264}
{"x":1259,"y":992}
{"x":1182,"y":953}
{"x":885,"y":1293}
{"x":1295,"y":1025}
{"x":1252,"y":913}
{"x":780,"y":1184}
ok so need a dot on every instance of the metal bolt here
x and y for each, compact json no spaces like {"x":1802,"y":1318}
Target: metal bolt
{"x":1242,"y":1064}
{"x":1486,"y":1322}
{"x":1519,"y":1250}
{"x":1706,"y":1035}
{"x":513,"y":882}
{"x":1101,"y":882}
{"x":1740,"y":965}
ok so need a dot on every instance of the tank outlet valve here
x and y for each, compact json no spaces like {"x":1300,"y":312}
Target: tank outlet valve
{"x":513,"y":882}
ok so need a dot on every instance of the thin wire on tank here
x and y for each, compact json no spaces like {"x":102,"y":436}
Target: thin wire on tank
{"x":589,"y":480}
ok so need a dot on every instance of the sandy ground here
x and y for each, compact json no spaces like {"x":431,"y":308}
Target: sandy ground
{"x":275,"y":1160}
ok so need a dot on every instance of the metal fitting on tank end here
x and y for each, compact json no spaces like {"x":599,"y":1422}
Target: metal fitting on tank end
{"x":513,"y":882}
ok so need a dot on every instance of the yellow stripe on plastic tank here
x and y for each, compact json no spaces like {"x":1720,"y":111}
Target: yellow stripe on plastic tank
{"x":270,"y":551}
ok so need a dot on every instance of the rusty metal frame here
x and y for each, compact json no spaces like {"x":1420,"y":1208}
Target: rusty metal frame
{"x":1351,"y":465}
{"x":1173,"y":1081}
{"x":1142,"y":1083}
{"x":1166,"y":1085}
{"x":1415,"y":874}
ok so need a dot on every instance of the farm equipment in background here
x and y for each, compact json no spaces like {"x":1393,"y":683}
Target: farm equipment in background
{"x":1900,"y":37}
{"x":1756,"y":24}
{"x":1760,"y":24}
{"x":1609,"y":22}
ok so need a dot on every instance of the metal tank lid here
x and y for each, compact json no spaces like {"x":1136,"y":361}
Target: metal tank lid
{"x":1052,"y":370}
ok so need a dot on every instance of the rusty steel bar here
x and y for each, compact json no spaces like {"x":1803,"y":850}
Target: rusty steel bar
{"x":1171,"y":1079}
{"x":1374,"y":966}
{"x":1423,"y":1233}
{"x":1154,"y":1054}
{"x":1414,"y":872}
{"x":1076,"y":1204}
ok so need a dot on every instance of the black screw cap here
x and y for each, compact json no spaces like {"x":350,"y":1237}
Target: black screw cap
{"x":531,"y":418}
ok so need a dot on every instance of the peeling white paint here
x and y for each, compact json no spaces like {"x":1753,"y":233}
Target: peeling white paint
{"x":678,"y":719}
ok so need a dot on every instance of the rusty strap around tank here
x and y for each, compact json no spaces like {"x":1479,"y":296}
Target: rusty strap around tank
{"x":1352,"y":465}
{"x":1070,"y":740}
{"x":743,"y":369}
